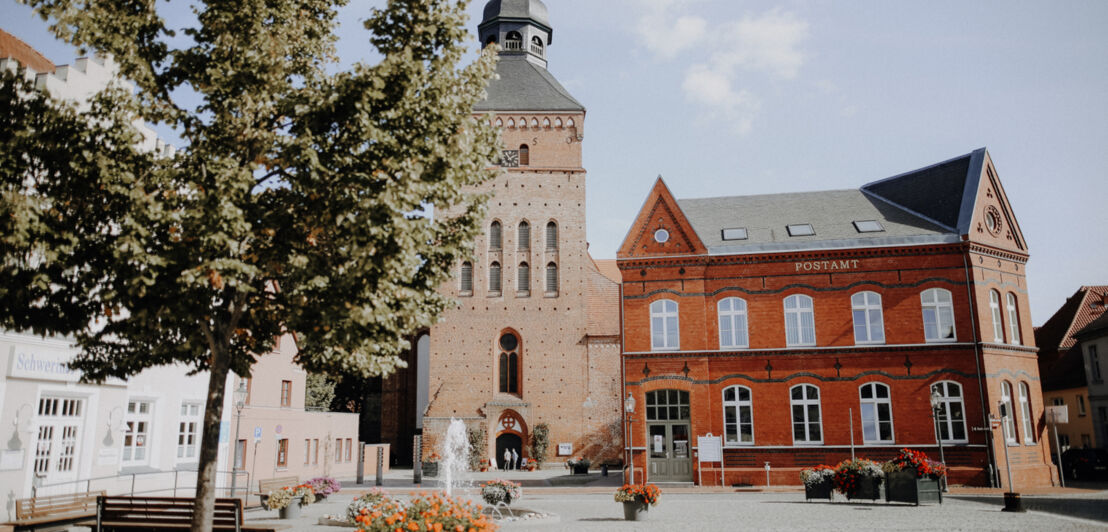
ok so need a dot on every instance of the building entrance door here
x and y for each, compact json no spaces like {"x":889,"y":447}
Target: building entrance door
{"x":508,"y":442}
{"x":667,"y":425}
{"x":58,"y":438}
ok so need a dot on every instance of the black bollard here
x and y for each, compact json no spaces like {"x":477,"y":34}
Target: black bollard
{"x":1013,"y":502}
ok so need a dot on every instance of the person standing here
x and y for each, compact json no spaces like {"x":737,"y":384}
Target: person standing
{"x":515,"y":459}
{"x":507,"y":459}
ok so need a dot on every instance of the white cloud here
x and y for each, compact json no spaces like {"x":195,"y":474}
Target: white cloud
{"x":713,"y":88}
{"x":769,"y":42}
{"x":666,"y":38}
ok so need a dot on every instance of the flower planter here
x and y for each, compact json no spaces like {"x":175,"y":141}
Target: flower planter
{"x":819,"y":490}
{"x":580,"y":469}
{"x":292,"y":511}
{"x":868,"y":488}
{"x":903,"y":486}
{"x":430,"y":469}
{"x":636,"y":511}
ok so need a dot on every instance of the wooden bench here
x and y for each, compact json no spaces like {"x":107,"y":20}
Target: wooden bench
{"x":54,"y":509}
{"x":272,"y":484}
{"x":162,"y":513}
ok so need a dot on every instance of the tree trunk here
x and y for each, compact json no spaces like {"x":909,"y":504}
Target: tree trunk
{"x":209,"y":443}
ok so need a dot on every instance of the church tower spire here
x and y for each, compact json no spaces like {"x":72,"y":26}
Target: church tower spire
{"x":520,"y":27}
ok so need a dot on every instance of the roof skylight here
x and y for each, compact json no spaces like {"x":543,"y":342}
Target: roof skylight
{"x":800,"y":230}
{"x":868,"y":226}
{"x":734,"y":233}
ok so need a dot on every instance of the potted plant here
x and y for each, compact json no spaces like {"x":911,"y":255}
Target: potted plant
{"x":431,"y":465}
{"x":579,"y":466}
{"x":819,"y":482}
{"x":913,"y":478}
{"x":369,"y":501}
{"x":324,"y":486}
{"x":288,"y":500}
{"x":499,"y":491}
{"x":637,"y":499}
{"x":859,"y":479}
{"x":484,"y":465}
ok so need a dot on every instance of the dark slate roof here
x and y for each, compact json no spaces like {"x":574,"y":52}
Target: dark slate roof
{"x":944,"y":193}
{"x":831,"y":213}
{"x":524,"y":86}
{"x":517,"y":9}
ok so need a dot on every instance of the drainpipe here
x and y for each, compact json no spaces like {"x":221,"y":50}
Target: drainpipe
{"x":977,"y":359}
{"x":623,"y":385}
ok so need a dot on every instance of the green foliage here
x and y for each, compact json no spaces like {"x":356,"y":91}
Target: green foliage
{"x":540,"y":442}
{"x":293,"y":204}
{"x":319,"y":392}
{"x":478,"y":446}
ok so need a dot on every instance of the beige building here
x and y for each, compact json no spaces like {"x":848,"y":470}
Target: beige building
{"x":535,"y":338}
{"x":1093,"y":340}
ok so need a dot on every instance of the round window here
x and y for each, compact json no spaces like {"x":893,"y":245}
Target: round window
{"x":661,"y":236}
{"x":509,"y":342}
{"x":992,"y":220}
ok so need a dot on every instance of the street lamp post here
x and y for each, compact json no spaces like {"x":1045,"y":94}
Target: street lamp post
{"x":936,"y":407}
{"x":240,"y":401}
{"x":629,"y":409}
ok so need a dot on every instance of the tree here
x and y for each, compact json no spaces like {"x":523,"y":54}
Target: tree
{"x":319,"y":392}
{"x":296,"y":204}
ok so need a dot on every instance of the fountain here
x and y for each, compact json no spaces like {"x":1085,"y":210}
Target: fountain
{"x":455,"y":452}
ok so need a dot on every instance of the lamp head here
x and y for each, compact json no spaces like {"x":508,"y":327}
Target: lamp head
{"x":240,"y":394}
{"x":936,"y":397}
{"x":629,"y":404}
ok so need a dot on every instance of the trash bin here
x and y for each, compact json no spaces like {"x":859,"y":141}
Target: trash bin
{"x":604,"y":470}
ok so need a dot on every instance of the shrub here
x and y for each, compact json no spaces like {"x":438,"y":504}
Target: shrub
{"x":497,"y":491}
{"x":540,"y":442}
{"x":813,"y":476}
{"x":368,"y":500}
{"x":478,"y":445}
{"x":916,"y":462}
{"x":646,"y":493}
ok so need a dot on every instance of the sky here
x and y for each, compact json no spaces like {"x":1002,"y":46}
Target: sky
{"x":730,"y":97}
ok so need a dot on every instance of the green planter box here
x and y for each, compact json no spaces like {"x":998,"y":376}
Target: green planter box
{"x":903,"y":486}
{"x":430,"y":469}
{"x":636,"y":511}
{"x":869,"y":488}
{"x":822,"y":490}
{"x":580,"y":469}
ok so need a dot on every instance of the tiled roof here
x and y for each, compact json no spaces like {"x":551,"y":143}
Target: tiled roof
{"x":11,"y":46}
{"x":1060,"y":365}
{"x":603,"y":299}
{"x":525,"y":86}
{"x":1094,"y":328}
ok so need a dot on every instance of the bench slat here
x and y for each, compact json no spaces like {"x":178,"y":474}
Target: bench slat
{"x":163,"y":512}
{"x":61,"y":506}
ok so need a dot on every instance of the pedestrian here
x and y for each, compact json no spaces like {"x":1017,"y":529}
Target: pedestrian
{"x":507,"y":459}
{"x":515,"y":459}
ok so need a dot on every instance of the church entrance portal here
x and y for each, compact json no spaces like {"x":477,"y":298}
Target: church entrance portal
{"x":509,"y":442}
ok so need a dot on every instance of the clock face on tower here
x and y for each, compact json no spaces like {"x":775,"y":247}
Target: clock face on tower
{"x":509,"y":158}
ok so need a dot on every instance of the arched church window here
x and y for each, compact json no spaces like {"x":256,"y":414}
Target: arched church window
{"x":494,"y":277}
{"x":523,"y":279}
{"x":552,"y":278}
{"x":511,"y":122}
{"x":467,"y":277}
{"x":509,"y":363}
{"x":545,"y":122}
{"x":513,"y":41}
{"x":570,"y":123}
{"x":522,"y":122}
{"x":499,"y":123}
{"x":494,"y":236}
{"x":534,"y":122}
{"x":551,"y":235}
{"x":490,"y":40}
{"x":523,"y":236}
{"x":524,"y":155}
{"x":557,"y":122}
{"x":536,"y":45}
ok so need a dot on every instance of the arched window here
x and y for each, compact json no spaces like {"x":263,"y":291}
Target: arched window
{"x":551,"y":235}
{"x":804,"y":400}
{"x":738,"y":416}
{"x":551,"y":278}
{"x":1013,"y":320}
{"x":494,"y":236}
{"x":524,"y":155}
{"x":570,"y":123}
{"x":523,"y":278}
{"x":938,"y":315}
{"x":951,"y":416}
{"x":998,"y":322}
{"x":869,"y":326}
{"x":800,"y":321}
{"x":663,"y":325}
{"x":513,"y":41}
{"x":557,"y":122}
{"x":545,"y":122}
{"x":534,"y":122}
{"x":1025,"y":414}
{"x":499,"y":122}
{"x":509,"y":363}
{"x":467,"y":277}
{"x":877,"y":413}
{"x":511,"y":122}
{"x":732,"y":323}
{"x":536,"y":45}
{"x":523,"y":236}
{"x":494,"y":277}
{"x":1010,"y":425}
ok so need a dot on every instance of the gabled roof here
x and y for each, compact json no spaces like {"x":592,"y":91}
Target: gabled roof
{"x":1060,"y":366}
{"x":523,"y":86}
{"x":944,"y":193}
{"x":1098,"y":327}
{"x":13,"y":47}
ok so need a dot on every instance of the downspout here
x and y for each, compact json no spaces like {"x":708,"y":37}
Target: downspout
{"x":977,"y":359}
{"x":623,"y":386}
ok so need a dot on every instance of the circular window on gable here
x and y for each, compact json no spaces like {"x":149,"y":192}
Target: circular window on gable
{"x":992,"y":220}
{"x":509,"y":342}
{"x":661,"y":236}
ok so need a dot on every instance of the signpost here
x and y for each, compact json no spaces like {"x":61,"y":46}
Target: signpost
{"x":709,"y":449}
{"x":1055,"y":415}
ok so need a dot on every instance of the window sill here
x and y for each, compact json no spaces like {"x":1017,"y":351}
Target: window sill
{"x":523,"y":293}
{"x":799,"y":346}
{"x":465,"y":293}
{"x":941,"y":341}
{"x":550,"y":294}
{"x":739,"y":445}
{"x":722,"y":347}
{"x":494,"y":294}
{"x":663,"y":349}
{"x":807,"y":444}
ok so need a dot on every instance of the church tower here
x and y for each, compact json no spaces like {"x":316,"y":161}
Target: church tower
{"x":519,"y":349}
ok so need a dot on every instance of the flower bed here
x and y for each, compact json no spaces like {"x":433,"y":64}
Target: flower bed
{"x":501,"y":491}
{"x":324,"y":486}
{"x":914,"y":478}
{"x":859,"y":479}
{"x":818,"y":482}
{"x":425,"y":511}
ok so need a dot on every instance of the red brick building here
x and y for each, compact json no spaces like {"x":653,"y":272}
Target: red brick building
{"x":800,"y":327}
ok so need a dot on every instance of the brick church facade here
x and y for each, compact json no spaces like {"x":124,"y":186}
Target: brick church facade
{"x":800,"y":327}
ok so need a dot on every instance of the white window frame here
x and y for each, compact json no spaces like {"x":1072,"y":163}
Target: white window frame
{"x":133,"y":420}
{"x":738,"y":406}
{"x":733,"y":319}
{"x":998,"y":321}
{"x":867,"y":305}
{"x":1025,"y":414}
{"x":941,"y":315}
{"x":871,"y":416}
{"x":805,"y":402}
{"x":665,"y":326}
{"x":946,"y":401}
{"x":1010,"y":426}
{"x":1013,"y":320}
{"x":800,"y":317}
{"x":190,"y":425}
